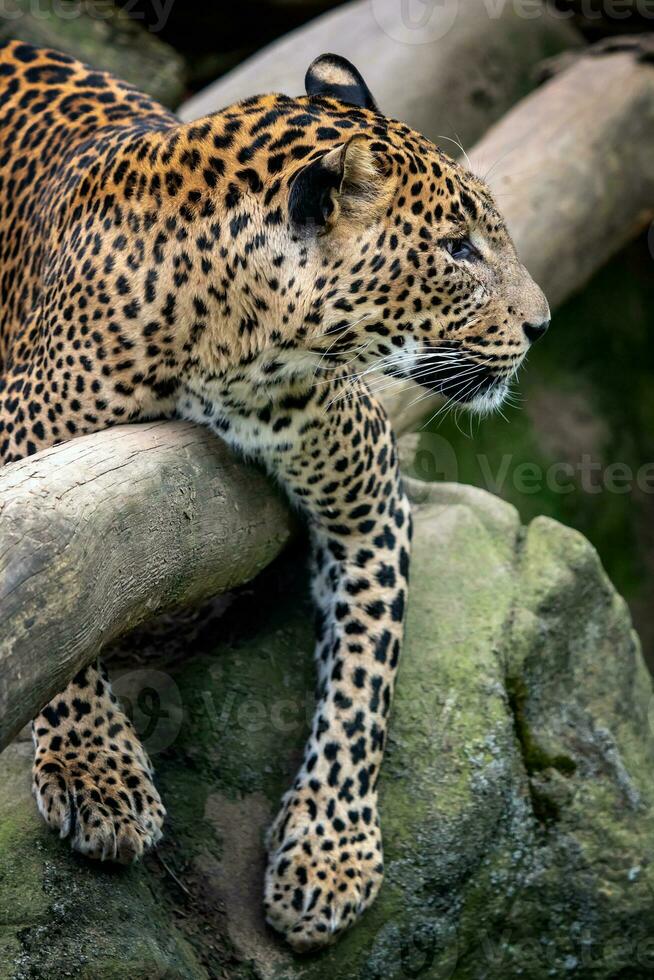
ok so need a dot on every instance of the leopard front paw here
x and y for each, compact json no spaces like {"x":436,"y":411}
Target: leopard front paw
{"x":105,"y":802}
{"x":325,"y":867}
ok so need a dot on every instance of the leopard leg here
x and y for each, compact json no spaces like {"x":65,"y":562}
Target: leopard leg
{"x":325,"y":862}
{"x":92,"y":779}
{"x":338,"y":461}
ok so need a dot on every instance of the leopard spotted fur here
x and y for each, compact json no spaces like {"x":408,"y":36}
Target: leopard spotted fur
{"x":248,"y":271}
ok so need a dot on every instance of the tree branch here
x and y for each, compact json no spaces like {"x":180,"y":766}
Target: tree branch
{"x":103,"y":532}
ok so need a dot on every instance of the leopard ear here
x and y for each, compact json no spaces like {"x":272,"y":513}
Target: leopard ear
{"x":335,"y":77}
{"x":348,"y":183}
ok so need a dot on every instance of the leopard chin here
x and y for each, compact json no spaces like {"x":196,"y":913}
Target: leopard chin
{"x":490,"y":400}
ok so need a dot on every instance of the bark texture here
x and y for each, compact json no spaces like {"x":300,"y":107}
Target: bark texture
{"x":105,"y":531}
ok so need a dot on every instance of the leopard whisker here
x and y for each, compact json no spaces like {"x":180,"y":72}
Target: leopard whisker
{"x":458,"y":144}
{"x":453,"y":399}
{"x":355,"y":381}
{"x":417,"y":375}
{"x":377,"y":367}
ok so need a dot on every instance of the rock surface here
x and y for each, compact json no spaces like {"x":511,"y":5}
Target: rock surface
{"x":99,"y":34}
{"x":516,"y":795}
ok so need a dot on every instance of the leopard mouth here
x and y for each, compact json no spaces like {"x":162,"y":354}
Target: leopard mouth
{"x":465,"y":382}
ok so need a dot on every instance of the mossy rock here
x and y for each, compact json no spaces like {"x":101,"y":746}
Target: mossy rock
{"x":516,"y":794}
{"x":102,"y":35}
{"x":61,"y":916}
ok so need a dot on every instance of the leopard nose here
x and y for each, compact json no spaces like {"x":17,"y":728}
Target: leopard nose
{"x":534,"y":331}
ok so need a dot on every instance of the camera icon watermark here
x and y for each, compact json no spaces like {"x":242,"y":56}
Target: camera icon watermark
{"x":432,"y":459}
{"x":425,"y":21}
{"x":153,"y":703}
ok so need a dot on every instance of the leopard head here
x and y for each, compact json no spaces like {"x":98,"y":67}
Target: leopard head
{"x":403,"y":258}
{"x":357,"y":244}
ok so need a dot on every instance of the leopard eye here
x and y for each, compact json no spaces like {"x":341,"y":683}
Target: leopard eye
{"x":461,"y":249}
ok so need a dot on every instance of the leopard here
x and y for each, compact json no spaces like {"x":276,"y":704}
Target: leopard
{"x":253,"y":271}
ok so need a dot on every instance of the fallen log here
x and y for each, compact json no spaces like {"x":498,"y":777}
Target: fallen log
{"x":94,"y":535}
{"x":103,"y":532}
{"x":449,"y":72}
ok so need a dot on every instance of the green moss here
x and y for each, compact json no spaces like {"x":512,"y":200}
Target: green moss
{"x":56,"y":907}
{"x":105,"y":38}
{"x":535,"y":758}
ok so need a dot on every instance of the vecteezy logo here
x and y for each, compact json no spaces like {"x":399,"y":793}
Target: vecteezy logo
{"x":415,"y":21}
